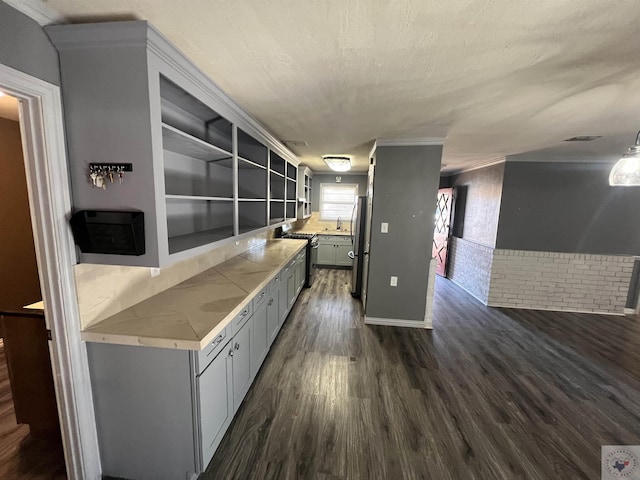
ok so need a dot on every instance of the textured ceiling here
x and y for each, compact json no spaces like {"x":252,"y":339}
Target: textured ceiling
{"x":495,"y":78}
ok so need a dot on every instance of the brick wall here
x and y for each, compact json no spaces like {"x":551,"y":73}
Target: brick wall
{"x":560,"y":281}
{"x":470,"y":267}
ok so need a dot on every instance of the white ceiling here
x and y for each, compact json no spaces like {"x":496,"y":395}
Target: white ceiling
{"x":495,"y":78}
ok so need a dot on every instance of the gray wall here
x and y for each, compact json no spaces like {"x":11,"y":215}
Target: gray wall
{"x":405,"y":190}
{"x":25,"y":47}
{"x":361,"y":180}
{"x":567,"y":207}
{"x":478,"y":196}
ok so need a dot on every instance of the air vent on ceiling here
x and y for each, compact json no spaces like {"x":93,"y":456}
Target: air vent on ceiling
{"x":583,"y":138}
{"x":295,"y":143}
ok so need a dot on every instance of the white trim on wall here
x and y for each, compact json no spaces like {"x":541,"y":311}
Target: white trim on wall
{"x":477,"y":166}
{"x":43,"y":144}
{"x":409,"y":142}
{"x":395,"y":322}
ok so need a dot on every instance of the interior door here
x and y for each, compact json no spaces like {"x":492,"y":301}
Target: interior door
{"x":442,"y":228}
{"x":367,"y":234}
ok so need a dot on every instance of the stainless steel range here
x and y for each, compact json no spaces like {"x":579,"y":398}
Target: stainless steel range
{"x":312,"y":252}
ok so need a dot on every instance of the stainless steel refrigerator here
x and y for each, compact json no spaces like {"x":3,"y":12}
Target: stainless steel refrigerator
{"x":358,"y":218}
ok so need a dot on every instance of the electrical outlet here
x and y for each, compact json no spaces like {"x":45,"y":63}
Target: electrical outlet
{"x":384,"y":227}
{"x":394,"y":281}
{"x":154,"y":272}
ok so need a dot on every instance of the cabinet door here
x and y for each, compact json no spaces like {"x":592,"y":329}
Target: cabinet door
{"x":300,"y":274}
{"x":291,"y":289}
{"x":241,"y":345}
{"x":326,"y":254}
{"x":342,"y":255}
{"x":259,"y":337}
{"x":273,"y":310}
{"x":216,"y":403}
{"x":283,"y":302}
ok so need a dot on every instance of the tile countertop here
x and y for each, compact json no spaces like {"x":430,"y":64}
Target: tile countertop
{"x":191,"y":314}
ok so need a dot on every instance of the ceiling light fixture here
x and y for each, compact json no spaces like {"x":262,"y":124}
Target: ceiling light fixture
{"x":626,"y":171}
{"x":338,"y":163}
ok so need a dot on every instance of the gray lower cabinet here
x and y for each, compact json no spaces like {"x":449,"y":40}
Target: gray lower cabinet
{"x":291,"y":287}
{"x":342,"y":255}
{"x":326,"y":254}
{"x":161,"y":413}
{"x":273,"y":309}
{"x":149,"y":413}
{"x":300,"y":271}
{"x":241,"y":355}
{"x":283,"y":302}
{"x":260,"y":340}
{"x":333,"y":250}
{"x":215,"y":403}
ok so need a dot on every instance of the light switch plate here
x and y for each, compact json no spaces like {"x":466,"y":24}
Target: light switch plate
{"x":384,"y":227}
{"x":394,"y":281}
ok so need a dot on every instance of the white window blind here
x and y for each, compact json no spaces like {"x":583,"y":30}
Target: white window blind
{"x":337,"y":200}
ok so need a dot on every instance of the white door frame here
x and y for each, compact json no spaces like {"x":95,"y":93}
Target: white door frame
{"x":43,"y":144}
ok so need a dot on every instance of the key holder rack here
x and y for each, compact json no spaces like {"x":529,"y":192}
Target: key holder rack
{"x":102,"y":173}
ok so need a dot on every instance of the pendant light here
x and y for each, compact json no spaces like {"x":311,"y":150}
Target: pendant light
{"x":626,"y":171}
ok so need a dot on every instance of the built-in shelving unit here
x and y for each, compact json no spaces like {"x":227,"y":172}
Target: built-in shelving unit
{"x":198,"y":170}
{"x":305,"y":186}
{"x":203,"y":171}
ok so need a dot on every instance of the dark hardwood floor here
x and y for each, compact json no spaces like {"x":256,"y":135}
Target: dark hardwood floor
{"x":488,"y":394}
{"x":22,"y":455}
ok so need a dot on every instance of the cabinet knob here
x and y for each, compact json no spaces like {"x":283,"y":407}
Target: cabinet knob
{"x":231,"y":352}
{"x":237,"y":346}
{"x":270,"y":301}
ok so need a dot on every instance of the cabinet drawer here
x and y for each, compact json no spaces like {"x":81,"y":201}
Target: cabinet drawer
{"x":209,"y":352}
{"x":241,"y":318}
{"x":260,"y":298}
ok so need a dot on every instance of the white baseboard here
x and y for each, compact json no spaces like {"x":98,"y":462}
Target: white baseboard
{"x":553,"y":309}
{"x":395,"y":322}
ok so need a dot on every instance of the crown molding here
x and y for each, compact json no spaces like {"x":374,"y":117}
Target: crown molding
{"x":409,"y":142}
{"x":38,"y":11}
{"x":476,"y":166}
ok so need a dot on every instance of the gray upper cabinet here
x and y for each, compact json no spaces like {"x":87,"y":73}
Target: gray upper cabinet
{"x":305,"y":188}
{"x":204,"y":172}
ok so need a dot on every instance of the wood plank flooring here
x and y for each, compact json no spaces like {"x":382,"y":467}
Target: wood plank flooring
{"x":488,"y":394}
{"x":23,"y":456}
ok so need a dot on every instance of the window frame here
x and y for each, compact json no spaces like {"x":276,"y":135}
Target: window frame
{"x":321,"y":201}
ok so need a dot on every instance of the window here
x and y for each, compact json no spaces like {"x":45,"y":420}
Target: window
{"x":337,"y":200}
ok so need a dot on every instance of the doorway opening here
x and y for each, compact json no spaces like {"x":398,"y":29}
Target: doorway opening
{"x":49,"y":203}
{"x":29,"y":424}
